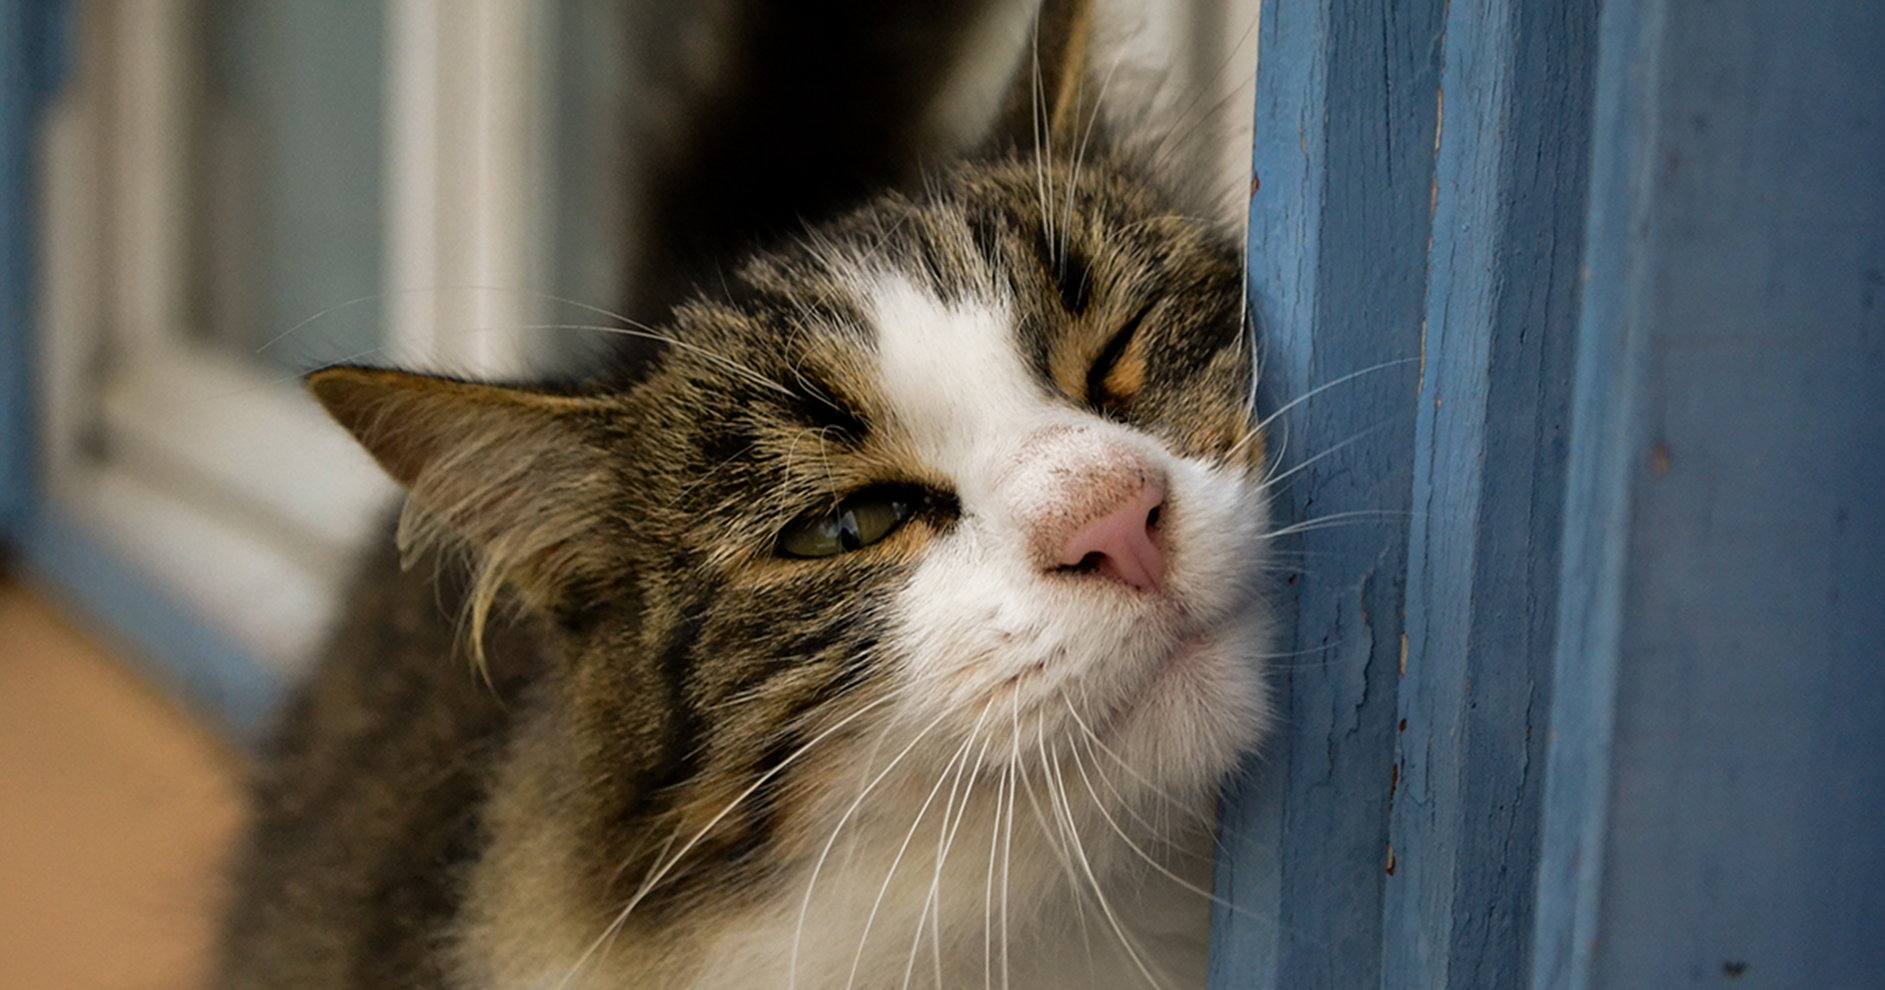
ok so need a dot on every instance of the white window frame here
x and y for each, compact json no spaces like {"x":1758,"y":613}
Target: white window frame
{"x":209,"y":475}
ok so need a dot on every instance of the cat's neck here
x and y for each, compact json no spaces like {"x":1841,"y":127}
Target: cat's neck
{"x":1036,"y":885}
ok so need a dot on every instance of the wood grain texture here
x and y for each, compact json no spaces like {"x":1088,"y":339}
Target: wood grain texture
{"x":1346,"y":122}
{"x":1741,"y":842}
{"x":1488,"y":484}
{"x":1638,"y":735}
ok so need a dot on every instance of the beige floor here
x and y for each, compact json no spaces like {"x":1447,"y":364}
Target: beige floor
{"x":115,"y":811}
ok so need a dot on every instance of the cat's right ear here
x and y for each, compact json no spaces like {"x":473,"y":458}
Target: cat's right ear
{"x":1047,"y":105}
{"x":515,"y":473}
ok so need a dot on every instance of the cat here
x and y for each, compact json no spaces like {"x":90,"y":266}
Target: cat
{"x":893,"y":621}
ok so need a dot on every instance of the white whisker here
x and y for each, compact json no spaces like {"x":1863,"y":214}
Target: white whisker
{"x":811,"y":883}
{"x":890,"y":874}
{"x":1324,"y":387}
{"x":955,"y":810}
{"x":663,"y":867}
{"x":1099,"y":805}
{"x":1274,"y":479}
{"x":1133,"y":771}
{"x":1080,"y":858}
{"x":641,"y":332}
{"x":1334,"y":519}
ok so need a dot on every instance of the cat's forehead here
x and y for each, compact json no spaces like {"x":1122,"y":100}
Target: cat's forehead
{"x":950,"y":369}
{"x":919,"y":325}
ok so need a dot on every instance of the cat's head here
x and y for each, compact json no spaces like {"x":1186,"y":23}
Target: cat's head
{"x":966,"y":482}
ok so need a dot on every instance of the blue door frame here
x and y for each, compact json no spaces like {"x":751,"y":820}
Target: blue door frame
{"x":195,"y":661}
{"x":1586,"y":685}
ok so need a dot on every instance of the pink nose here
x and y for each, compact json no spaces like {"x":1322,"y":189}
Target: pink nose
{"x":1120,"y":543}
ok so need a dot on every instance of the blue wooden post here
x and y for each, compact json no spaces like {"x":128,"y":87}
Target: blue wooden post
{"x":1509,"y":198}
{"x":1717,"y":778}
{"x":1339,"y":227}
{"x":1600,"y":702}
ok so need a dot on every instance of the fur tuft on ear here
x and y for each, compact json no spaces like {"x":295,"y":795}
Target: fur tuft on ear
{"x":513,"y":474}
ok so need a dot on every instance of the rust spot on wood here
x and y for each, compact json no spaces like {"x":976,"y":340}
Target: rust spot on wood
{"x":1659,"y":460}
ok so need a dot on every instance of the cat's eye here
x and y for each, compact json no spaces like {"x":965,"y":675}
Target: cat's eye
{"x":1103,"y":386}
{"x":857,"y":522}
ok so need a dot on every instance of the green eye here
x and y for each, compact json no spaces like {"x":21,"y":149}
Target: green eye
{"x":857,"y":522}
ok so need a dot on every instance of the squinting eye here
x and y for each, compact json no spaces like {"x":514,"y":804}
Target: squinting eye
{"x":857,"y":522}
{"x":1101,"y":387}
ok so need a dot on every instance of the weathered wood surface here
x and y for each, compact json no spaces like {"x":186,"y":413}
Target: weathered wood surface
{"x":1631,"y":498}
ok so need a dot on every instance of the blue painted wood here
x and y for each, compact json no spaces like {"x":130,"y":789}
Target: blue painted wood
{"x":1345,"y":147}
{"x":199,"y":663}
{"x":1737,"y":588}
{"x":1248,"y":928}
{"x":1606,"y":446}
{"x":1483,"y":557}
{"x":28,"y":64}
{"x":1646,"y":543}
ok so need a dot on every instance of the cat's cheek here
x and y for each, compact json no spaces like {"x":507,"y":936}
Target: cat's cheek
{"x":1207,"y":705}
{"x":1218,"y":531}
{"x":962,"y":622}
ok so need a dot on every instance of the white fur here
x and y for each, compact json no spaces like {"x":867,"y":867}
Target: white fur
{"x":990,"y":839}
{"x":978,"y":613}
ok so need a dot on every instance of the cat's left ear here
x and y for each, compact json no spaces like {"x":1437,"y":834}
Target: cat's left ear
{"x":517,"y":474}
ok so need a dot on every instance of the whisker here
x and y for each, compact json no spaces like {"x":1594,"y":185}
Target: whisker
{"x":1335,"y":519}
{"x":897,"y":860}
{"x":1079,"y":154}
{"x":1042,"y":138}
{"x":349,"y":304}
{"x":1127,"y":766}
{"x":664,"y":867}
{"x":954,"y":812}
{"x":1078,"y":850}
{"x":1007,"y":848}
{"x":1271,"y":481}
{"x":1324,"y":387}
{"x":1186,"y":124}
{"x":811,"y":882}
{"x":988,"y":890}
{"x":1099,"y":805}
{"x":643,"y":332}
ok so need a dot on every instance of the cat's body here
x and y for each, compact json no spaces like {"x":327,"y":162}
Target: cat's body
{"x":893,"y":624}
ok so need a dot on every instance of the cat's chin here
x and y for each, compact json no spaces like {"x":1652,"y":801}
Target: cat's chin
{"x":1197,"y":710}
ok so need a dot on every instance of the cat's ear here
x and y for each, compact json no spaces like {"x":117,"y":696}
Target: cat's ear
{"x":516,"y":474}
{"x":1047,"y":106}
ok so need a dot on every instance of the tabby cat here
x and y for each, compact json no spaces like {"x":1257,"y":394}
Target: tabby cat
{"x":892,"y":622}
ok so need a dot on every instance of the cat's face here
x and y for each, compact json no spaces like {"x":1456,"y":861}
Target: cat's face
{"x":965,"y":485}
{"x":984,"y":485}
